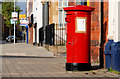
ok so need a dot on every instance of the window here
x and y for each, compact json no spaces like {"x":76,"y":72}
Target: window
{"x":78,"y":2}
{"x":60,"y":17}
{"x":61,"y":13}
{"x":81,"y":2}
{"x":60,"y":3}
{"x":65,"y":3}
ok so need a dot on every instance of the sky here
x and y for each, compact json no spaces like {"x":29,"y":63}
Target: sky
{"x":22,"y":6}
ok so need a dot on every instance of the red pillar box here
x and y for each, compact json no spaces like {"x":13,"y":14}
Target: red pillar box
{"x":78,"y":25}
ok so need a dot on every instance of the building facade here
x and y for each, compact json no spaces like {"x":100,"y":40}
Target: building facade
{"x":114,"y":28}
{"x":37,"y":17}
{"x":99,"y":23}
{"x":34,"y":16}
{"x":29,"y":12}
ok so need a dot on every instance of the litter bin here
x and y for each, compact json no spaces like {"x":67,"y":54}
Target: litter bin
{"x":115,"y":56}
{"x":108,"y":53}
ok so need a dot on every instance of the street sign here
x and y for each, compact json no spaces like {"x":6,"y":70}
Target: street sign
{"x":12,"y":21}
{"x":14,"y":14}
{"x":21,"y":16}
{"x":23,"y":22}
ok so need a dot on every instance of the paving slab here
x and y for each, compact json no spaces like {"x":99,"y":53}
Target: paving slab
{"x":17,"y":61}
{"x":48,"y":67}
{"x":21,"y":49}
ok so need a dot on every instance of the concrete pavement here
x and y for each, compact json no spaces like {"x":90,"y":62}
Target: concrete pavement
{"x":46,"y":67}
{"x":29,"y":62}
{"x":22,"y":49}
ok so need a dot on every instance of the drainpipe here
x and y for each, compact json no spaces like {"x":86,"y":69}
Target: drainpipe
{"x":45,"y":14}
{"x":45,"y":17}
{"x":101,"y":55}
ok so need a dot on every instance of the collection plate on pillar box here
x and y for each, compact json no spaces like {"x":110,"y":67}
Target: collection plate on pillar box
{"x":81,"y":23}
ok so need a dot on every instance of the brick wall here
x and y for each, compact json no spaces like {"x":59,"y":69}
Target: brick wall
{"x":30,"y":27}
{"x":30,"y":41}
{"x":105,"y":20}
{"x":105,"y":24}
{"x":96,"y":28}
{"x":97,"y":45}
{"x":71,"y":3}
{"x":95,"y":31}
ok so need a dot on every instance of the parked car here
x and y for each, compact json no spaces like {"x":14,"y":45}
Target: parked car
{"x":12,"y":38}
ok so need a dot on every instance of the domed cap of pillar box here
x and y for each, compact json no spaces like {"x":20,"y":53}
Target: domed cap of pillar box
{"x":79,"y":8}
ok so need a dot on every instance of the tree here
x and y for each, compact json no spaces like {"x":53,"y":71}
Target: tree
{"x":7,"y":9}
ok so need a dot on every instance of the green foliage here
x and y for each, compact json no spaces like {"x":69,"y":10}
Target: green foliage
{"x":116,"y":72}
{"x":110,"y":69}
{"x":7,"y":9}
{"x":113,"y":71}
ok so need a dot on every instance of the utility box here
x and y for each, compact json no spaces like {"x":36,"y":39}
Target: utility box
{"x":78,"y":28}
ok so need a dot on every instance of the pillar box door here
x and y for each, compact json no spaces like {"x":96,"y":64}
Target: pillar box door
{"x":78,"y":25}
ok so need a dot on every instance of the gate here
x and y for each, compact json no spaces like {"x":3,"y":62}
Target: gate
{"x":49,"y":34}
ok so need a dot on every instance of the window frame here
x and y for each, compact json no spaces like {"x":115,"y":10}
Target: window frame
{"x":60,"y":8}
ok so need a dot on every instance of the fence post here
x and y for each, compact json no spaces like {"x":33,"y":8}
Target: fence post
{"x":60,"y":33}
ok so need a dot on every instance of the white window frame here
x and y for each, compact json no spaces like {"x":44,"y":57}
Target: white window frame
{"x":63,"y":13}
{"x":76,"y":2}
{"x":80,"y":2}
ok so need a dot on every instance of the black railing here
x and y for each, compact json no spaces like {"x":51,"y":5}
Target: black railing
{"x":60,"y":38}
{"x":46,"y":36}
{"x":54,"y":34}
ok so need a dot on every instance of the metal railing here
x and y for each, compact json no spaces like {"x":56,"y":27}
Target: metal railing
{"x":54,"y":34}
{"x":60,"y":37}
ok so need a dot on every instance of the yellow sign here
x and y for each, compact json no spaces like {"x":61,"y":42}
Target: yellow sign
{"x":88,"y":2}
{"x":21,"y":16}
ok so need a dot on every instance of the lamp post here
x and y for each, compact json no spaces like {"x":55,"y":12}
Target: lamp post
{"x":14,"y":23}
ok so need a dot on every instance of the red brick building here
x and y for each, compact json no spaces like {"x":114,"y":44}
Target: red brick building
{"x":99,"y":28}
{"x":30,"y":19}
{"x":99,"y":25}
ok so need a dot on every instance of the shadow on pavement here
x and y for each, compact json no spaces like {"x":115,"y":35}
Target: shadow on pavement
{"x":95,"y":67}
{"x":24,"y":57}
